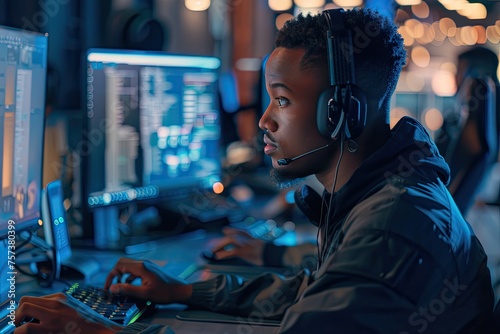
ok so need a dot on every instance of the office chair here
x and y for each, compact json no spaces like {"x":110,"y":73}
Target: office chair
{"x":469,"y":142}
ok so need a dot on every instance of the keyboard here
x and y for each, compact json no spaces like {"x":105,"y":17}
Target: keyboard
{"x":118,"y":309}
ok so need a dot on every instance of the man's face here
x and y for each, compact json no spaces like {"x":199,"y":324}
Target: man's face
{"x":290,"y":118}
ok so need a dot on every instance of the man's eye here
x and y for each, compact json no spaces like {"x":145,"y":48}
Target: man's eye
{"x":281,"y":101}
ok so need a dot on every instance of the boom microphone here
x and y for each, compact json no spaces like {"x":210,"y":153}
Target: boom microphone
{"x":286,"y":161}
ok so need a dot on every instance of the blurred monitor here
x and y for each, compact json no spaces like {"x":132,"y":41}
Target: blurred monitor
{"x":152,"y":128}
{"x":264,"y":96}
{"x":264,"y":103}
{"x":23,"y":60}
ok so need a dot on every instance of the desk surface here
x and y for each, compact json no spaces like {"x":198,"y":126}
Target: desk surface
{"x":178,"y":255}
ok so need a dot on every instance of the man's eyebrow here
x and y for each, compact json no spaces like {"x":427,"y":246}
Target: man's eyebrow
{"x":275,"y":85}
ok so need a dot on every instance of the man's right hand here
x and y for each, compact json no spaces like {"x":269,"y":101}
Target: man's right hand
{"x":154,"y":287}
{"x":239,"y":243}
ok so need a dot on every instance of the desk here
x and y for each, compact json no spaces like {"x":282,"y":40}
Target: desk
{"x":177,"y":254}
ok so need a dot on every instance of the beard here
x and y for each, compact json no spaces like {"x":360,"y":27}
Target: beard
{"x":284,"y":181}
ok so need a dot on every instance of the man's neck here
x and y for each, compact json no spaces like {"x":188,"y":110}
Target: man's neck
{"x":373,"y":138}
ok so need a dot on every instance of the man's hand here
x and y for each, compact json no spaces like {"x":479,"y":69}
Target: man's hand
{"x":54,"y":315}
{"x":154,"y":287}
{"x":239,"y":243}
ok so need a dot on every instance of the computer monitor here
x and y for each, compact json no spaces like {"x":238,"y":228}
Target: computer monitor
{"x":23,"y":62}
{"x":152,"y":126}
{"x":23,"y":65}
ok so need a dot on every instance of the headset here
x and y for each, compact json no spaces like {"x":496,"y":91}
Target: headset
{"x":342,"y":106}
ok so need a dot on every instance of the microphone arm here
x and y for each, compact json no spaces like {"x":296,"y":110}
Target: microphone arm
{"x":286,"y":161}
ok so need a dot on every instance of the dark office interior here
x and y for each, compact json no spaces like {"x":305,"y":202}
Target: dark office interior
{"x":183,"y":158}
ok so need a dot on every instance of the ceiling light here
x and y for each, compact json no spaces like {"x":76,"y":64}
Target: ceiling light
{"x":310,"y":3}
{"x":197,"y":5}
{"x":473,"y":11}
{"x":409,"y":2}
{"x":280,"y":5}
{"x":348,"y":3}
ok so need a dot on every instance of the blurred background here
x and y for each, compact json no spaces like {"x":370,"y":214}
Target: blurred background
{"x":240,"y":33}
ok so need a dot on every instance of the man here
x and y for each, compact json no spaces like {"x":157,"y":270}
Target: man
{"x":469,"y":138}
{"x":395,"y":254}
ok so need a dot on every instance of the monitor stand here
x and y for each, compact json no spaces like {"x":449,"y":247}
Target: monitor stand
{"x":79,"y":268}
{"x":75,"y":267}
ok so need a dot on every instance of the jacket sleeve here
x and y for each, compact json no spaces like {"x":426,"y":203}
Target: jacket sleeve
{"x":266,"y":296}
{"x":303,"y":255}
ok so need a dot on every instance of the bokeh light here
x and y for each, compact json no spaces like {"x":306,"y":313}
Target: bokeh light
{"x":280,"y":5}
{"x":218,"y":187}
{"x":415,"y":81}
{"x":310,"y":3}
{"x":281,"y":19}
{"x":197,"y":5}
{"x":421,"y":10}
{"x":420,"y":56}
{"x":432,"y":118}
{"x":443,"y":83}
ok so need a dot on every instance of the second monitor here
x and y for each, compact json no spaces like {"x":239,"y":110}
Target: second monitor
{"x":152,"y":126}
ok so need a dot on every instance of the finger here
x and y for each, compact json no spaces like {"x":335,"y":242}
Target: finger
{"x":231,"y":231}
{"x":50,"y":313}
{"x":109,"y":279}
{"x":225,"y":254}
{"x":130,"y":279}
{"x":45,"y":300}
{"x":30,"y":328}
{"x":29,"y":310}
{"x":129,"y":290}
{"x":123,"y":266}
{"x":57,"y":295}
{"x":225,"y":243}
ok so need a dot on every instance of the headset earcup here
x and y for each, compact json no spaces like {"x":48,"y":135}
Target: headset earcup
{"x":326,"y":126}
{"x":356,"y":117}
{"x":328,"y":122}
{"x":309,"y":202}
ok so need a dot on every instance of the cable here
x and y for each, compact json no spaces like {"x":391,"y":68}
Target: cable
{"x":29,"y":237}
{"x":321,"y":253}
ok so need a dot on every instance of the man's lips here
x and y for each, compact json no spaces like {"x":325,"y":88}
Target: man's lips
{"x":271,"y":146}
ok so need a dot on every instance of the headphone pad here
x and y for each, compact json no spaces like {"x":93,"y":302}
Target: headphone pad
{"x":356,"y":117}
{"x":329,"y":114}
{"x":326,"y":126}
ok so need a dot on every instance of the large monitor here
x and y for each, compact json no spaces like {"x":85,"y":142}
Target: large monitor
{"x":23,"y":62}
{"x":152,"y":126}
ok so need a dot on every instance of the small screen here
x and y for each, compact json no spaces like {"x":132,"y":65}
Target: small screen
{"x":153,"y":125}
{"x":23,"y":66}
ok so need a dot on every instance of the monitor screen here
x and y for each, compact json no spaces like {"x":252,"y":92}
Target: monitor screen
{"x":23,"y":65}
{"x":153,"y":125}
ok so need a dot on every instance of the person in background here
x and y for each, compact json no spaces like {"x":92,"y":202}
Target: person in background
{"x":469,"y":138}
{"x":394,"y":253}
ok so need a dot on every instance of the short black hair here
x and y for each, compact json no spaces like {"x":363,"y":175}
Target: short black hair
{"x":379,"y":53}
